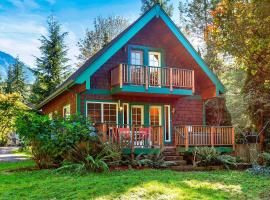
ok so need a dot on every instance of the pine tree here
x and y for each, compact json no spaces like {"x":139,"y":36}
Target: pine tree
{"x":52,"y":66}
{"x":147,"y":4}
{"x":9,"y":81}
{"x":15,"y":82}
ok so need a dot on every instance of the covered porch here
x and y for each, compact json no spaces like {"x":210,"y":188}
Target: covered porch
{"x":150,"y":139}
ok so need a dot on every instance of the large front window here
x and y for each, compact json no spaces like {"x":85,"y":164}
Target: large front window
{"x":102,"y":112}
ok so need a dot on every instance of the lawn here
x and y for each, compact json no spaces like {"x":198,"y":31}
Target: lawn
{"x":131,"y":184}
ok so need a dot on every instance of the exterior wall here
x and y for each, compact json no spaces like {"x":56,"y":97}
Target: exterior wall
{"x":157,"y":35}
{"x":67,"y":97}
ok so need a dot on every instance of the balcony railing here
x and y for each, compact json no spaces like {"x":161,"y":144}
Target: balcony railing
{"x":187,"y":136}
{"x":148,"y":76}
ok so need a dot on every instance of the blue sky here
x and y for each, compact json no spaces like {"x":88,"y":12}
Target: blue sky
{"x":23,"y":21}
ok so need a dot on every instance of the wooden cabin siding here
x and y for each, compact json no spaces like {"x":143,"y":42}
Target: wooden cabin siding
{"x":67,"y":97}
{"x":157,"y":35}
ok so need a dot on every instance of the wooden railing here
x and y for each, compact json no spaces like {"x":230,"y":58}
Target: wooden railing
{"x":133,"y":137}
{"x":152,"y":76}
{"x":204,"y":136}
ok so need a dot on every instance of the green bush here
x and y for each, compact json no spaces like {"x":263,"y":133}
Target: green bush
{"x":51,"y":140}
{"x":207,"y":156}
{"x":266,"y":159}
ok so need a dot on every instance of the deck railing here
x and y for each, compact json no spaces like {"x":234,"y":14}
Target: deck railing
{"x":152,"y":76}
{"x":131,"y":136}
{"x":187,"y":136}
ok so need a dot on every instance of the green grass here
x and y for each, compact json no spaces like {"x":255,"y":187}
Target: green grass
{"x":131,"y":184}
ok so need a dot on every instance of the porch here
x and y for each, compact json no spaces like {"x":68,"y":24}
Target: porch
{"x":150,"y":139}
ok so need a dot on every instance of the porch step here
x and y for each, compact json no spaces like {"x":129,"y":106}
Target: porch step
{"x":173,"y":157}
{"x":171,"y":154}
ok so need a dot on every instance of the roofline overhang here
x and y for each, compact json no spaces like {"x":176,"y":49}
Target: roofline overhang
{"x":56,"y":93}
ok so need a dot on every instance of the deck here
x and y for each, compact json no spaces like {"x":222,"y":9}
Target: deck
{"x":142,"y":139}
{"x":149,"y":79}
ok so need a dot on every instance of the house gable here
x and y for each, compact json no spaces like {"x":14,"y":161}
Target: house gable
{"x":155,"y":12}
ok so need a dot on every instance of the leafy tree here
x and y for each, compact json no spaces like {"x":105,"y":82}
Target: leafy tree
{"x":15,"y":82}
{"x":10,"y":106}
{"x":52,"y":66}
{"x":147,"y":4}
{"x":105,"y":29}
{"x":241,"y":29}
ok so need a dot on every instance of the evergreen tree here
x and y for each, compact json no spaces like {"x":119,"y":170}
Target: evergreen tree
{"x":9,"y":81}
{"x":52,"y":66}
{"x":195,"y":18}
{"x":147,"y":4}
{"x":105,"y":29}
{"x":15,"y":82}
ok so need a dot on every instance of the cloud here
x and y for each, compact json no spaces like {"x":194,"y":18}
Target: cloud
{"x":24,"y":4}
{"x":51,"y":1}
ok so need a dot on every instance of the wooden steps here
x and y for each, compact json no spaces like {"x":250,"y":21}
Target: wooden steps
{"x":170,"y":154}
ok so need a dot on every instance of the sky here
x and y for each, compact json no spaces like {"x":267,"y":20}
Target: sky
{"x":22,"y":22}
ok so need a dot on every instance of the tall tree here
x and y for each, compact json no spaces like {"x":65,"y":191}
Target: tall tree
{"x":165,"y":4}
{"x":105,"y":29}
{"x":241,"y":29}
{"x":15,"y":82}
{"x":52,"y":66}
{"x":195,"y":17}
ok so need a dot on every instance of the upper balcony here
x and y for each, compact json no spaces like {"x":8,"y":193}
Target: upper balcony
{"x":156,"y":80}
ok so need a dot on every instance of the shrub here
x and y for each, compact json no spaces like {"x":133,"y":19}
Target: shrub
{"x":94,"y":156}
{"x":50,"y":140}
{"x":206,"y":156}
{"x":266,"y":159}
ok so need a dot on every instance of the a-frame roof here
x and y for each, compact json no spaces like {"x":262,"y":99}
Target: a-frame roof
{"x":82,"y":75}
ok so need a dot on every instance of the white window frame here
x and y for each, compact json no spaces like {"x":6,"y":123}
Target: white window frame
{"x":68,"y":108}
{"x":141,"y":52}
{"x":160,"y":116}
{"x":126,"y":104}
{"x":169,"y":121}
{"x":142,"y":117}
{"x":102,"y":109}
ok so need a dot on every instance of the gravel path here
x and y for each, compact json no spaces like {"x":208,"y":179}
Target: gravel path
{"x":6,"y":155}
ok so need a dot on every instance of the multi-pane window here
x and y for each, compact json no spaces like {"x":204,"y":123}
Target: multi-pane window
{"x":66,"y":111}
{"x":102,"y":112}
{"x":155,"y":116}
{"x":136,"y":57}
{"x":94,"y":112}
{"x":154,"y":59}
{"x":137,"y":115}
{"x":109,"y":113}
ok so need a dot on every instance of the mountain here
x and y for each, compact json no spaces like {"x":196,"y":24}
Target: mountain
{"x":6,"y":60}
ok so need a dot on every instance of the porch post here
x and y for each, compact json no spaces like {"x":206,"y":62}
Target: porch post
{"x":212,"y":136}
{"x":193,"y":82}
{"x":146,"y":78}
{"x":171,"y":80}
{"x":121,"y":75}
{"x":132,"y":142}
{"x":186,"y":138}
{"x":233,"y":138}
